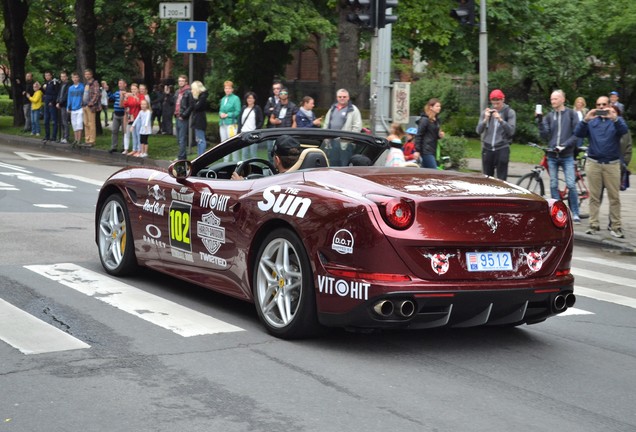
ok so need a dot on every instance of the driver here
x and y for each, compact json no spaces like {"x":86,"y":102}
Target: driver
{"x":285,"y":153}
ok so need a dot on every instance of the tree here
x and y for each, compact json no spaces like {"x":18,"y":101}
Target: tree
{"x":85,"y":34}
{"x":15,"y":14}
{"x":253,"y":40}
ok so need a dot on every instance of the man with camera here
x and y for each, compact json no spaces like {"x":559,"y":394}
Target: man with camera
{"x":604,"y":128}
{"x":557,"y":128}
{"x":496,"y":126}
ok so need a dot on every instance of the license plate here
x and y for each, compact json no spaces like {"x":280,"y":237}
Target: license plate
{"x":488,"y":261}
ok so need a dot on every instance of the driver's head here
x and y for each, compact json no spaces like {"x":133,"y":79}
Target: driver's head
{"x":285,"y":152}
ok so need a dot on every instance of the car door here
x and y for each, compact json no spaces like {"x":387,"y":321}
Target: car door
{"x":201,"y":233}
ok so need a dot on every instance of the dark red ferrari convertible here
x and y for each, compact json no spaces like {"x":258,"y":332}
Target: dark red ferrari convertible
{"x":329,"y":244}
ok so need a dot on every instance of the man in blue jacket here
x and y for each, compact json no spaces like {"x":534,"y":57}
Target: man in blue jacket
{"x":604,"y":129}
{"x":557,"y":128}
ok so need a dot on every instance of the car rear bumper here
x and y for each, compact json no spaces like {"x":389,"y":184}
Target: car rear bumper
{"x":455,"y":309}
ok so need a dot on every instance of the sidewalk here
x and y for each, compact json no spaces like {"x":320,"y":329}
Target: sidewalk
{"x":603,"y":239}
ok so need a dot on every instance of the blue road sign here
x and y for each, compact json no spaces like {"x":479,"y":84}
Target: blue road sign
{"x":192,"y":37}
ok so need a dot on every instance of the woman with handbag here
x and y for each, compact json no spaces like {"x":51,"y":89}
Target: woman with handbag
{"x":250,"y":118}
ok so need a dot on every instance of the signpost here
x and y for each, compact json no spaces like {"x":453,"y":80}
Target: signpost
{"x":192,"y":37}
{"x":175,"y":10}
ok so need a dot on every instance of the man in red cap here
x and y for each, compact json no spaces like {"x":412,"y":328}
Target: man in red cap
{"x":496,"y":126}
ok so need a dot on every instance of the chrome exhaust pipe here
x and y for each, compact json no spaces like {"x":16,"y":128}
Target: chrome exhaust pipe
{"x":383,"y":308}
{"x":570,"y":299}
{"x":406,"y":308}
{"x":559,"y":303}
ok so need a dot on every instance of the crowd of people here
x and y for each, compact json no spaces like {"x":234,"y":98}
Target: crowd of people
{"x":565,"y":129}
{"x":78,"y":104}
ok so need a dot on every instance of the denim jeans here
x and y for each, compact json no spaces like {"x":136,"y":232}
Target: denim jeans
{"x":182,"y":138}
{"x":35,"y":121}
{"x":567,"y":163}
{"x":50,"y":113}
{"x":199,"y":137}
{"x":428,"y":161}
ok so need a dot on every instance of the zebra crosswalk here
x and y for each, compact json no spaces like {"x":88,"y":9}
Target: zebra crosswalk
{"x":31,"y":335}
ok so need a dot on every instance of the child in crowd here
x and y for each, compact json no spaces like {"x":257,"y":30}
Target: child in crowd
{"x":395,"y":157}
{"x":143,"y":123}
{"x":410,"y":155}
{"x":36,"y":108}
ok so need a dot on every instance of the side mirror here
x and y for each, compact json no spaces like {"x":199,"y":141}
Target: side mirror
{"x":180,"y":170}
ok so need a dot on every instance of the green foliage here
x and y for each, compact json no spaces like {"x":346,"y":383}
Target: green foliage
{"x":431,"y":86}
{"x":6,"y":106}
{"x":461,"y":124}
{"x":455,"y":148}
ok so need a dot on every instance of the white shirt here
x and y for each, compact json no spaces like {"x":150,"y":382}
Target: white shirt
{"x":248,"y":120}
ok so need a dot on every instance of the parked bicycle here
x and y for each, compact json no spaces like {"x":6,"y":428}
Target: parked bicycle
{"x":533,"y":181}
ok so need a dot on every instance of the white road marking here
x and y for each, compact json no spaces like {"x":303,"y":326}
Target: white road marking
{"x":608,"y":278}
{"x":14,"y":167}
{"x":605,"y":296}
{"x":38,"y":180}
{"x":607,"y":263}
{"x":8,"y":187}
{"x":82,"y":179}
{"x":51,"y":206}
{"x":38,"y":156}
{"x":31,"y":335}
{"x":575,"y":311}
{"x":159,"y":311}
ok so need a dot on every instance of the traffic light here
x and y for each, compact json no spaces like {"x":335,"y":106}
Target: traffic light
{"x":364,"y":12}
{"x":464,"y":12}
{"x":383,"y":18}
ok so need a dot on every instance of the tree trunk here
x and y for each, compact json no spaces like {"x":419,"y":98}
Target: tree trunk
{"x":327,"y":92}
{"x":15,"y":14}
{"x":348,"y":54}
{"x":85,"y":36}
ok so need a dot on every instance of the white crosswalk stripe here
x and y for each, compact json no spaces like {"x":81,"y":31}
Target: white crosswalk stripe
{"x":607,"y":263}
{"x":31,"y":335}
{"x":604,"y":277}
{"x":605,"y":296}
{"x":159,"y":311}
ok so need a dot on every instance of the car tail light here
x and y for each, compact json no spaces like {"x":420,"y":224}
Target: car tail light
{"x":559,"y":214}
{"x":398,"y":213}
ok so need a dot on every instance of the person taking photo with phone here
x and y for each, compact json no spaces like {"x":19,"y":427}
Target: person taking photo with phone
{"x":496,"y":126}
{"x":604,"y":128}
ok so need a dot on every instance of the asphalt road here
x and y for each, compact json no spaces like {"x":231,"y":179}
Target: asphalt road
{"x":74,"y":359}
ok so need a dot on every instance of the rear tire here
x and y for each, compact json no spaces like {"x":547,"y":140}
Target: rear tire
{"x":283,"y":286}
{"x":533,"y":182}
